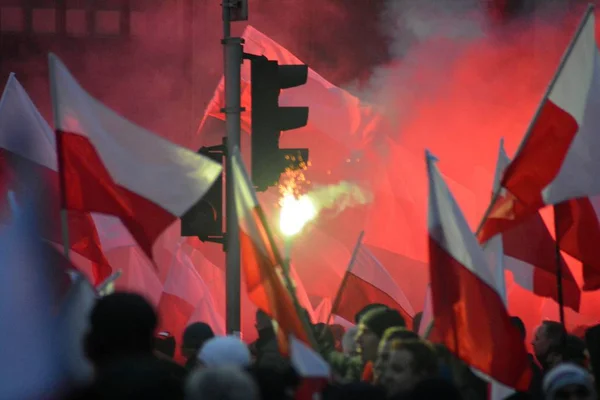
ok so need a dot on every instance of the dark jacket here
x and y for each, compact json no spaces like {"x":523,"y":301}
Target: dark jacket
{"x":266,"y":351}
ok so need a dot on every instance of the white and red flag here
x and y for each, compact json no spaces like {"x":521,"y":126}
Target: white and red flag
{"x":367,"y":282}
{"x":529,"y":252}
{"x":25,"y":137}
{"x":469,"y":313}
{"x":262,"y":263}
{"x":109,"y":165}
{"x":557,"y":160}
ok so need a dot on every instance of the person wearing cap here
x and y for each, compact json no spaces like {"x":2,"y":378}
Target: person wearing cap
{"x":569,"y":381}
{"x":224,"y":351}
{"x":370,"y":332}
{"x":194,"y":337}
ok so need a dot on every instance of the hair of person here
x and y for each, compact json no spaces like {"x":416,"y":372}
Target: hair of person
{"x":398,"y":332}
{"x":424,"y":356}
{"x":121,"y":324}
{"x":380,"y":319}
{"x":196,"y":334}
{"x":555,"y":331}
{"x":518,"y":323}
{"x":366,"y":309}
{"x":221,"y":383}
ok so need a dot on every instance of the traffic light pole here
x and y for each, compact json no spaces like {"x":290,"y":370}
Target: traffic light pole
{"x":233,"y":52}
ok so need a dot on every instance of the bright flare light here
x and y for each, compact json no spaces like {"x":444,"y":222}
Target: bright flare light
{"x":295,"y":213}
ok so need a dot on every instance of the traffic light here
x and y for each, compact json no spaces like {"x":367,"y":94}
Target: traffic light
{"x":268,"y":120}
{"x":205,"y":218}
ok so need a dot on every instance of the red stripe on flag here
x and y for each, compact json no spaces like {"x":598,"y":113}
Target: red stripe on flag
{"x":357,"y":293}
{"x":531,"y":243}
{"x":89,"y":187}
{"x":534,"y":167}
{"x":471,"y":320}
{"x":578,"y":233}
{"x":264,"y":283}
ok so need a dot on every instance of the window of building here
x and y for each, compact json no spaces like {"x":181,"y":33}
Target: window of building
{"x":12,"y":19}
{"x":44,"y":20}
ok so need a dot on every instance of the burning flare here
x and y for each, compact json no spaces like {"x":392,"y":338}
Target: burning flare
{"x":295,"y":213}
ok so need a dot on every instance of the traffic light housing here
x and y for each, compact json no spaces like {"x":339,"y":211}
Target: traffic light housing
{"x":268,"y":120}
{"x":205,"y":218}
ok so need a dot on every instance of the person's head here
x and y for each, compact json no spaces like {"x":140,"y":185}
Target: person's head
{"x":224,"y":351}
{"x":572,"y":350}
{"x":121,"y":325}
{"x":349,"y":341}
{"x":194,"y":337}
{"x":410,"y":362}
{"x":365,"y":310}
{"x":263,"y":321}
{"x":164,"y":343}
{"x":221,"y":383}
{"x":383,"y":353}
{"x":547,"y":336}
{"x":568,"y":382}
{"x":518,"y":323}
{"x":371,"y":328}
{"x":338,"y":333}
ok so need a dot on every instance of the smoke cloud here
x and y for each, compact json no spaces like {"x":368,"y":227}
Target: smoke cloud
{"x":340,"y":196}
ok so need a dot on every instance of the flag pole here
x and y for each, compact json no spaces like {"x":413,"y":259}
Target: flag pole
{"x":64,"y":221}
{"x":559,"y":288}
{"x":285,"y":272}
{"x":549,"y":89}
{"x":338,"y":295}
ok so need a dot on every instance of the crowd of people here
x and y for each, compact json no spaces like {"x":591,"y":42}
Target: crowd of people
{"x":379,"y":358}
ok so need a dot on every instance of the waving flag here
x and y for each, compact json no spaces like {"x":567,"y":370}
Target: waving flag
{"x":529,"y":252}
{"x":26,"y":137}
{"x":557,"y":160}
{"x":367,"y":282}
{"x":261,"y":261}
{"x":467,"y":307}
{"x":109,"y":165}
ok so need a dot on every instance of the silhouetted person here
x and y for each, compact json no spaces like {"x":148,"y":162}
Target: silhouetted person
{"x":122,"y":329}
{"x":535,"y":386}
{"x":548,"y":336}
{"x":266,"y":349}
{"x":194,"y":337}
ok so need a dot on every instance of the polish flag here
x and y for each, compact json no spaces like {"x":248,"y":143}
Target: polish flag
{"x":578,"y":234}
{"x":427,"y":317}
{"x":261,"y":261}
{"x":467,"y":307}
{"x":529,"y":252}
{"x":25,"y":137}
{"x":557,"y":160}
{"x":314,"y":372}
{"x":109,"y":165}
{"x":184,"y":292}
{"x":367,"y":282}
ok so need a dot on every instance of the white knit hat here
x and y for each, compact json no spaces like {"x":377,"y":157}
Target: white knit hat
{"x":564,"y":375}
{"x":224,"y":351}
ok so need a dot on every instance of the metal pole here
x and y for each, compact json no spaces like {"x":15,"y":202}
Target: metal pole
{"x":232,"y":52}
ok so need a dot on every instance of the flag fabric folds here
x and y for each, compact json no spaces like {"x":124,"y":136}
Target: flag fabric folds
{"x":109,"y":165}
{"x":578,"y":234}
{"x":557,"y":159}
{"x":261,"y":261}
{"x":467,"y":307}
{"x":366,"y":282}
{"x":25,"y":137}
{"x":529,"y":252}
